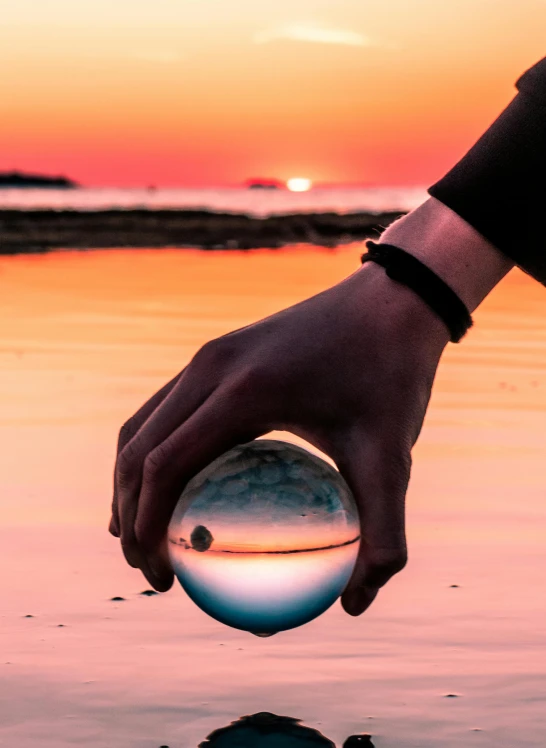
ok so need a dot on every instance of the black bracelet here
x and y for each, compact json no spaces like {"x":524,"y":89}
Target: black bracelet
{"x":405,"y":268}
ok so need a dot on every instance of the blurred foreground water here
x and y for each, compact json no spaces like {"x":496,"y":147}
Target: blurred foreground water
{"x":450,"y":654}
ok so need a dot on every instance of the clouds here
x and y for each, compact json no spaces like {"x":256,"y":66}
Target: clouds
{"x":313,"y":34}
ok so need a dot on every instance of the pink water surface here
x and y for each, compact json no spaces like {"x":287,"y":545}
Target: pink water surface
{"x":84,"y":339}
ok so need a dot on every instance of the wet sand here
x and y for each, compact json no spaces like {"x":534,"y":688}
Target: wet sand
{"x":30,"y":231}
{"x":451,"y":654}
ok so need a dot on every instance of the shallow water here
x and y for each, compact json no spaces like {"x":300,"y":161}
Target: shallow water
{"x":84,"y":340}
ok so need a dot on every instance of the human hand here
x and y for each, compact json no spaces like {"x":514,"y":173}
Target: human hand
{"x":349,"y":370}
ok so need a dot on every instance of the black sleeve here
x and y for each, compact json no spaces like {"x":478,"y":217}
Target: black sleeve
{"x":499,"y":186}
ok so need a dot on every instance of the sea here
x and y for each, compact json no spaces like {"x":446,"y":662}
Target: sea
{"x":256,"y":202}
{"x":452,"y":653}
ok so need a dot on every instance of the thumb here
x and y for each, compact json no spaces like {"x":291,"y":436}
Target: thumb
{"x":377,"y":474}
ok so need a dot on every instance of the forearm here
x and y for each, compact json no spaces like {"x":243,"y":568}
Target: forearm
{"x":452,"y":248}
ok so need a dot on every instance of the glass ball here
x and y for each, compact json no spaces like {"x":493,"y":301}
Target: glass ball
{"x":265,"y":538}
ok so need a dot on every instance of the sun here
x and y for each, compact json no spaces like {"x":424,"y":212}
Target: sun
{"x":299,"y":184}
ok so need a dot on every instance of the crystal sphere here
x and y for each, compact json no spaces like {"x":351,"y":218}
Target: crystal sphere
{"x":265,"y":538}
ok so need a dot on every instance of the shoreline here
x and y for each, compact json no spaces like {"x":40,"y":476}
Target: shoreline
{"x":33,"y":231}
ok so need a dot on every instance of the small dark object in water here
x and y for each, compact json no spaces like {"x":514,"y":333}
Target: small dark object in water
{"x":354,"y":741}
{"x":61,"y":626}
{"x":28,"y":616}
{"x":453,"y":586}
{"x":451,"y":696}
{"x":117,"y":599}
{"x":148,"y":593}
{"x":201,"y":538}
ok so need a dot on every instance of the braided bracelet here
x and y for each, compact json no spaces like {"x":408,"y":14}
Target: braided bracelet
{"x":404,"y":268}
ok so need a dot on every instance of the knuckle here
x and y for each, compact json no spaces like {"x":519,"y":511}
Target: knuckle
{"x":210,"y":352}
{"x":256,"y":381}
{"x":127,"y":463}
{"x":207,"y":350}
{"x":126,"y":433}
{"x":215,"y":355}
{"x":156,"y":463}
{"x":263,"y":378}
{"x":398,"y":462}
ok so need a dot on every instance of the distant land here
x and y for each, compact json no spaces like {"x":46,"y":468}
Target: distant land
{"x":28,"y":231}
{"x":20,"y":180}
{"x":264,"y":184}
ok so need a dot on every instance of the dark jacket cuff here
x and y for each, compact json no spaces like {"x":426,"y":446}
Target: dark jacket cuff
{"x":499,"y":186}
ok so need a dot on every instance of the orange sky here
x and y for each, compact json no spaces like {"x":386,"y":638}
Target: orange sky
{"x":211,"y":92}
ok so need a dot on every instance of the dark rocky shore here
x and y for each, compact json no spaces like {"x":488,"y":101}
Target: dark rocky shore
{"x":20,"y":180}
{"x":27,"y":231}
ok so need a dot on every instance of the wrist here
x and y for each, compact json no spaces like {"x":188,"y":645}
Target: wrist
{"x":403,"y":267}
{"x":452,"y":249}
{"x":406,"y":315}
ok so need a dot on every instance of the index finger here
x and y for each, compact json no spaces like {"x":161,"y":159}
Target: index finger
{"x":127,"y":432}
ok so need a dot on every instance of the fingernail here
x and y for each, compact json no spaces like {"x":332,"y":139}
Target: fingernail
{"x":133,"y":556}
{"x":159,"y":560}
{"x":161,"y":572}
{"x":359,"y":601}
{"x":159,"y":568}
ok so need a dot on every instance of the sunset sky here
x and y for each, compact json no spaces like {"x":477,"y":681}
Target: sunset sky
{"x":212,"y":92}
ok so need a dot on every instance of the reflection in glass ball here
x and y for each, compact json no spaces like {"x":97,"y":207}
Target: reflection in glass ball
{"x":265,"y":538}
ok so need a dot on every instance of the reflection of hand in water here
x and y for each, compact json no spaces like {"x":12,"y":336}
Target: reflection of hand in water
{"x":265,"y":730}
